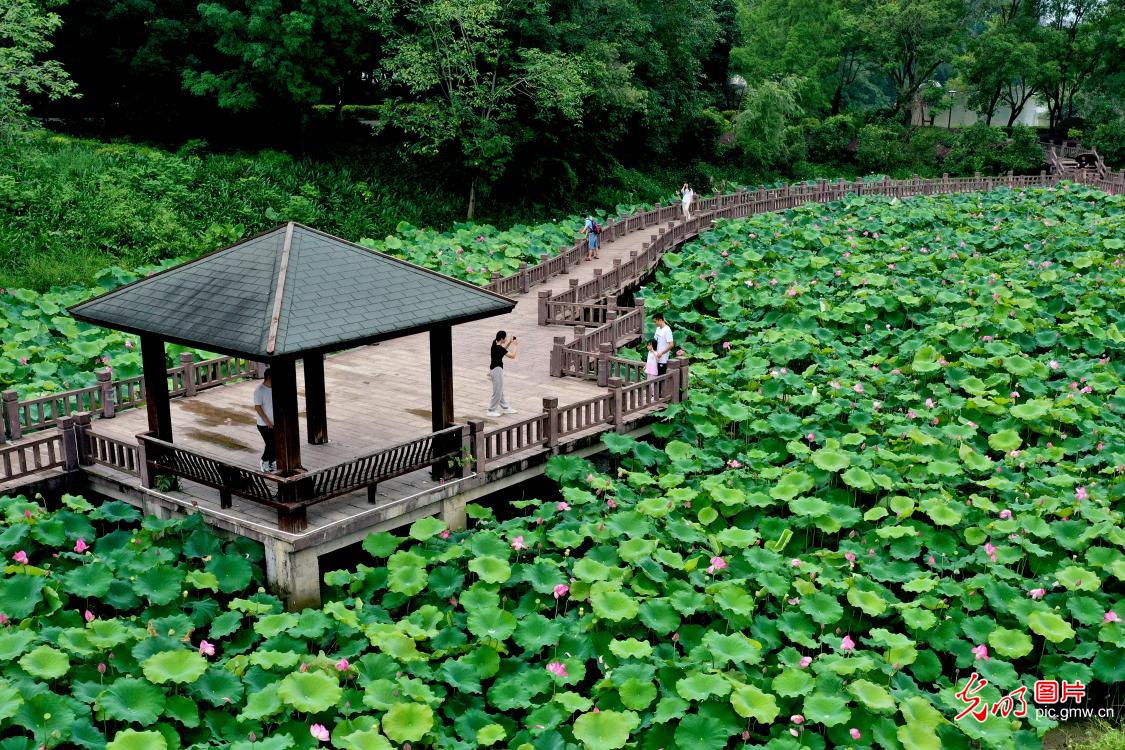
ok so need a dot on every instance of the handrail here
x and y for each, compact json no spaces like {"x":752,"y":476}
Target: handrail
{"x":32,"y":456}
{"x":292,"y":496}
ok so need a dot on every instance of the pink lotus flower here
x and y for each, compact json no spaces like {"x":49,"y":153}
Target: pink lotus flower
{"x":320,"y":732}
{"x":561,"y":590}
{"x":20,"y":557}
{"x":128,"y":344}
{"x":563,"y":505}
{"x":611,"y":503}
{"x":734,"y":463}
{"x":717,"y":563}
{"x":849,"y":556}
{"x":1037,"y":593}
{"x":855,"y":733}
{"x":101,"y":667}
{"x":1005,"y":514}
{"x":930,"y":403}
{"x":911,"y":414}
{"x":3,"y":619}
{"x":797,"y":719}
{"x":805,"y":661}
{"x":1053,"y":364}
{"x":80,"y":546}
{"x":88,"y":616}
{"x":858,"y":387}
{"x":518,"y":543}
{"x":811,"y":437}
{"x":342,"y":665}
{"x":795,"y":563}
{"x":726,"y":345}
{"x":1110,"y":616}
{"x":990,"y":550}
{"x":557,"y":668}
{"x":1081,"y":494}
{"x":206,"y":648}
{"x":980,"y":652}
{"x":847,"y":644}
{"x":444,"y":534}
{"x":1014,"y":394}
{"x":23,"y":360}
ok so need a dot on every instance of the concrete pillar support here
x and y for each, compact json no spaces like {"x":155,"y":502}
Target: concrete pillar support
{"x":293,"y":574}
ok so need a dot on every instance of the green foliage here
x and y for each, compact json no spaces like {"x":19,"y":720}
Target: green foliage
{"x":1109,"y":139}
{"x":26,"y":27}
{"x":761,"y":129}
{"x":880,"y":148}
{"x":979,"y":148}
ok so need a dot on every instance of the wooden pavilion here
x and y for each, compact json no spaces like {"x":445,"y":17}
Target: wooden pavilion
{"x":290,"y":293}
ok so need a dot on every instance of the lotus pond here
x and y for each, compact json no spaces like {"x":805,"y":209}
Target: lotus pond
{"x":901,"y":462}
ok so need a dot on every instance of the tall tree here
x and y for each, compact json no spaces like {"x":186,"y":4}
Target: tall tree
{"x":1073,"y":52}
{"x":1001,"y":61}
{"x":910,"y":39}
{"x":279,"y":56}
{"x":26,"y":29}
{"x":469,"y":79}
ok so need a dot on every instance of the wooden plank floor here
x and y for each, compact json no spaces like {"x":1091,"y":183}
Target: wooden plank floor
{"x":379,"y":396}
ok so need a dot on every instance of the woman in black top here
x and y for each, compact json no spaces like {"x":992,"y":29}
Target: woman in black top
{"x":502,"y":347}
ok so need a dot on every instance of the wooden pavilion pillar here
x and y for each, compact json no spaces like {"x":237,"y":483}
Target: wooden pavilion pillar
{"x":316,"y":403}
{"x":441,"y":391}
{"x":155,"y":375}
{"x":287,"y":425}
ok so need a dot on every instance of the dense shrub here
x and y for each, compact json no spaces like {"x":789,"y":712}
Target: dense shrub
{"x":829,"y":141}
{"x":880,"y":148}
{"x":1109,"y":139}
{"x":980,"y":148}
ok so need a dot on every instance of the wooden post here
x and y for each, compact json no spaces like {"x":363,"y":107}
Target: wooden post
{"x":105,"y":393}
{"x":598,"y":285}
{"x":477,"y":428}
{"x":525,"y":280}
{"x":617,"y":280}
{"x":574,"y":290}
{"x":287,"y":425}
{"x":557,"y":346}
{"x":617,"y":417}
{"x":544,"y":298}
{"x":605,"y":351}
{"x":441,"y":391}
{"x":81,"y":435}
{"x":69,"y":444}
{"x":495,"y":278}
{"x":680,"y":381}
{"x":155,"y":374}
{"x":144,"y":465}
{"x":551,"y":432}
{"x":316,"y":400}
{"x":187,"y":362}
{"x":565,"y":253}
{"x":11,"y":415}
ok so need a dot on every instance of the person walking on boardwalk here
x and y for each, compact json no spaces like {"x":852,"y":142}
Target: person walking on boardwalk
{"x":687,"y":195}
{"x":593,"y":231}
{"x":263,"y":412}
{"x":651,"y":368}
{"x":502,"y":348}
{"x":664,"y":342}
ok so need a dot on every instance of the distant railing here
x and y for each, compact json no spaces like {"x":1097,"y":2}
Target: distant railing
{"x":107,"y":396}
{"x":291,"y":496}
{"x":31,"y":457}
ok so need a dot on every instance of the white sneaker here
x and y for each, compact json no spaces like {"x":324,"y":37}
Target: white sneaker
{"x":264,"y":465}
{"x":492,"y":413}
{"x":273,"y":466}
{"x":510,"y":410}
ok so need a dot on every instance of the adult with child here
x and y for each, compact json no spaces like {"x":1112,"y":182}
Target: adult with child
{"x":664,"y":343}
{"x":502,"y":348}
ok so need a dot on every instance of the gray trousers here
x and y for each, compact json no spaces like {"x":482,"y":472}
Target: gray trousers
{"x":498,"y":400}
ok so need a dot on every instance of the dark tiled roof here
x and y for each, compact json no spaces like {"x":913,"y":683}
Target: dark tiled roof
{"x":333,"y":294}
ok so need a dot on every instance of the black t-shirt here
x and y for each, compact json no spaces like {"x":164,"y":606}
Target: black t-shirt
{"x":498,"y":354}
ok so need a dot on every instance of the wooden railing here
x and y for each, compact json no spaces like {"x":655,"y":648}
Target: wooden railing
{"x":291,"y":496}
{"x":31,"y":457}
{"x":107,"y":451}
{"x":109,"y":395}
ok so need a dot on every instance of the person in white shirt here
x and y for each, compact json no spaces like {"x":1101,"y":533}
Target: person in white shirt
{"x":664,"y":343}
{"x":687,"y":195}
{"x":263,"y":412}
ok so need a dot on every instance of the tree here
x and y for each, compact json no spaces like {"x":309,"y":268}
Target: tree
{"x":1000,"y":62}
{"x":909,"y":40}
{"x":1071,"y":52}
{"x":275,"y":56}
{"x":822,"y":42}
{"x":456,"y":77}
{"x":761,"y":129}
{"x":26,"y":28}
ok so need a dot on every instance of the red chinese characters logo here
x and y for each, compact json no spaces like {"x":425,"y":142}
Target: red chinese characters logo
{"x":1015,"y":703}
